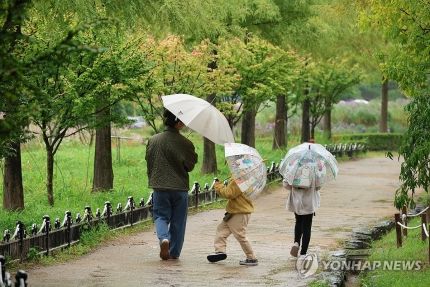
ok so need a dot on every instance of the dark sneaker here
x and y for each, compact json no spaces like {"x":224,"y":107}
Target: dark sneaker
{"x":295,"y":249}
{"x":215,"y":257}
{"x":249,"y":262}
{"x":164,"y":249}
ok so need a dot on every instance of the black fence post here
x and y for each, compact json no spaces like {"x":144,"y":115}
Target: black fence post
{"x":206,"y":191}
{"x":21,"y":278}
{"x":212,"y":189}
{"x":69,"y":227}
{"x":197,"y":191}
{"x":78,"y":218}
{"x":6,"y":235}
{"x":33,"y":229}
{"x":142,"y":202}
{"x":57,"y":223}
{"x":107,"y":212}
{"x":21,"y":235}
{"x":88,"y":215}
{"x":4,"y":276}
{"x":130,"y":205}
{"x":2,"y":269}
{"x":119,"y":208}
{"x":47,"y":223}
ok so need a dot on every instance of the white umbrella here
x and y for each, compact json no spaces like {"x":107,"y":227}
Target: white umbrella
{"x":201,"y":116}
{"x":247,"y":167}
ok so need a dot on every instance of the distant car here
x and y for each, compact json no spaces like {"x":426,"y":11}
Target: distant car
{"x":136,"y":122}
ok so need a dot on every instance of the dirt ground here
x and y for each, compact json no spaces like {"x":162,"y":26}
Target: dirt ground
{"x":362,"y":195}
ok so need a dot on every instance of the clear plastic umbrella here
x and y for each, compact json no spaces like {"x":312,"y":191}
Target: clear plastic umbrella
{"x":200,"y":116}
{"x":247,"y":167}
{"x":308,"y":164}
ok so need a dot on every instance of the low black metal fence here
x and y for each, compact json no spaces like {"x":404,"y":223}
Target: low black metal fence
{"x":57,"y":234}
{"x":346,"y":149}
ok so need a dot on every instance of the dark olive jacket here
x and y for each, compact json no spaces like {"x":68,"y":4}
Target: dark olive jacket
{"x":169,"y":158}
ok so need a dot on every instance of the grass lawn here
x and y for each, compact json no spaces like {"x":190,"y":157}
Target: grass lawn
{"x":413,"y":249}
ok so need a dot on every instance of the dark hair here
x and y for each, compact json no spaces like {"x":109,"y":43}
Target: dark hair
{"x":170,"y":119}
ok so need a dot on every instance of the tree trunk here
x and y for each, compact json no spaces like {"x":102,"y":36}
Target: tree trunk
{"x":383,"y":124}
{"x":209,"y":164}
{"x":103,"y":171}
{"x":327,"y":123}
{"x":279,"y":136}
{"x":248,"y":127}
{"x":50,"y":175}
{"x":312,"y":136}
{"x":13,"y":192}
{"x":305,"y":120}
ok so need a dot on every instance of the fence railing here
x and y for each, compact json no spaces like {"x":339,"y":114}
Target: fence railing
{"x":346,"y":149}
{"x":401,"y":220}
{"x":62,"y":234}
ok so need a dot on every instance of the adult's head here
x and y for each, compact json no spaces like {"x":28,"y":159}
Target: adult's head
{"x":171,"y":120}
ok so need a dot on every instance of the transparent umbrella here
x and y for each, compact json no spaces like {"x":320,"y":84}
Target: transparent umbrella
{"x":308,"y":164}
{"x":247,"y":167}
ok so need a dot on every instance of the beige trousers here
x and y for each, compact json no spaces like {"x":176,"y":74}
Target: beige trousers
{"x":236,"y":225}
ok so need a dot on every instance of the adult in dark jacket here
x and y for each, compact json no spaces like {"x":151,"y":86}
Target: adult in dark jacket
{"x":170,"y":157}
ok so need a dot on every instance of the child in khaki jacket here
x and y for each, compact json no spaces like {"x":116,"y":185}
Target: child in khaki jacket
{"x":239,"y":209}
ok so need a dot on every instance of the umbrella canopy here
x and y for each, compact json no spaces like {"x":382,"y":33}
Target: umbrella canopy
{"x":200,"y":116}
{"x":247,"y":168}
{"x":308,"y":164}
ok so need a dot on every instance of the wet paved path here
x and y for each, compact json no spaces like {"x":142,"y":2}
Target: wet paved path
{"x":362,"y":195}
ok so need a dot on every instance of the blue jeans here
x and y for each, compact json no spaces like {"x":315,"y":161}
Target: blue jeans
{"x":170,"y":210}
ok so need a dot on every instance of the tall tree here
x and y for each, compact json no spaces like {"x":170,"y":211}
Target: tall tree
{"x":406,"y":24}
{"x":258,"y":63}
{"x":14,"y":114}
{"x":284,"y":77}
{"x":335,"y":77}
